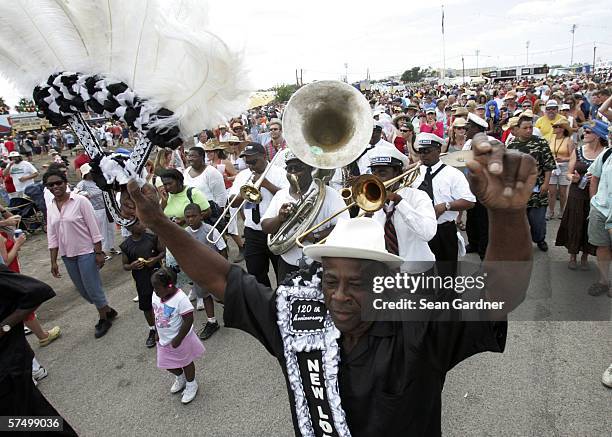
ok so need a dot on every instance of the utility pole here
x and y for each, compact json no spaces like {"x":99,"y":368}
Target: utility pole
{"x":573,"y":31}
{"x":346,"y":72}
{"x":463,"y":68}
{"x":527,"y":49}
{"x":594,"y":51}
{"x":477,"y":71}
{"x":301,"y":77}
{"x":297,"y":79}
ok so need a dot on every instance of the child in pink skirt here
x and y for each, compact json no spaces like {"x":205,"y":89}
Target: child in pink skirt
{"x":178,"y":345}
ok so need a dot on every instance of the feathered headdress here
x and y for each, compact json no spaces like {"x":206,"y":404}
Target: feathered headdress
{"x":150,"y":63}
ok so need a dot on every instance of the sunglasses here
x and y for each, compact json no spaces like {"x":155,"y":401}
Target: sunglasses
{"x":405,"y":130}
{"x":54,"y":184}
{"x":588,"y":131}
{"x":294,"y":168}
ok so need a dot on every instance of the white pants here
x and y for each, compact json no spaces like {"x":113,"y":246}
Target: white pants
{"x":107,"y":230}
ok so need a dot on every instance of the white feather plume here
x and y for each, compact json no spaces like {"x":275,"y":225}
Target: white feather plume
{"x":159,"y":48}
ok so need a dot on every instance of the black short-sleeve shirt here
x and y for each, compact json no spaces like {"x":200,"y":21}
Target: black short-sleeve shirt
{"x":391,"y":381}
{"x":145,"y":247}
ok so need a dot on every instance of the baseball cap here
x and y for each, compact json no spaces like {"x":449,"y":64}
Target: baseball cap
{"x":253,"y":149}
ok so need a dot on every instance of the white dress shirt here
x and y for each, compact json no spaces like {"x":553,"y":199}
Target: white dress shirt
{"x":276,"y":176}
{"x":363,"y":163}
{"x":210,"y":182}
{"x":448,"y":185}
{"x":332,"y":203}
{"x":415,"y":224}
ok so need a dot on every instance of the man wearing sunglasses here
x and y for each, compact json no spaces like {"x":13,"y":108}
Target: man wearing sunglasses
{"x":450,"y":193}
{"x":275,"y":142}
{"x":256,"y":252}
{"x":283,"y":207}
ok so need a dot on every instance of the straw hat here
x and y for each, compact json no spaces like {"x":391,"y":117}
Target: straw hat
{"x":565,"y":124}
{"x":213,"y":144}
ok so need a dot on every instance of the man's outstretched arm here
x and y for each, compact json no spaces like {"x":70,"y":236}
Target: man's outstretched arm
{"x":202,"y":264}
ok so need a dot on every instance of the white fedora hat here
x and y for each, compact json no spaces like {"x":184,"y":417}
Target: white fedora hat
{"x":362,"y":238}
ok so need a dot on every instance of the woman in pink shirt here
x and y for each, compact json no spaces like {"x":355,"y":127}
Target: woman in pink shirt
{"x":431,"y":125}
{"x":73,"y":233}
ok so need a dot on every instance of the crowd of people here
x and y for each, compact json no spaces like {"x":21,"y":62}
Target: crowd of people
{"x":562,"y":123}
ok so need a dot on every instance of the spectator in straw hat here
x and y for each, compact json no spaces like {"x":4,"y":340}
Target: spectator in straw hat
{"x":562,"y":148}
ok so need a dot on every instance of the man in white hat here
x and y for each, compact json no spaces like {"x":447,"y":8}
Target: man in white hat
{"x":390,"y":378}
{"x":22,"y":172}
{"x":545,"y":124}
{"x":450,"y":193}
{"x":408,"y":217}
{"x":287,"y":200}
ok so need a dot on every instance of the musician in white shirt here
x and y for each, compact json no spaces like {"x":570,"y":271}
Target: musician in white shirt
{"x":282,"y":207}
{"x":256,"y":252}
{"x":450,"y":193}
{"x":409,"y":210}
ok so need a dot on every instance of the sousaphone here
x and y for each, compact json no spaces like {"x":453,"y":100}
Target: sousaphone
{"x":327,"y":125}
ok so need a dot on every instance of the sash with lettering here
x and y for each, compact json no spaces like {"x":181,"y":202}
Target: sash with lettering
{"x":312,"y":356}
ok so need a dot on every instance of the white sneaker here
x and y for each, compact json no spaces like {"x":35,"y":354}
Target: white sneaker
{"x":179,"y":383}
{"x":191,"y":389}
{"x":41,"y":373}
{"x":606,"y":378}
{"x":192,"y":295}
{"x":200,"y":304}
{"x":135,"y":299}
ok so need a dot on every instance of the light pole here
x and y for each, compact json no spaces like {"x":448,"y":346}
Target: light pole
{"x":527,"y":49}
{"x":346,"y":72}
{"x":463,"y":68}
{"x":594,"y":51}
{"x":572,"y":32}
{"x":477,"y":53}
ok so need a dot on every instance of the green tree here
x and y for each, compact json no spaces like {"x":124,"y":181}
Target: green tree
{"x":26,"y":105}
{"x":284,"y":92}
{"x":415,"y":74}
{"x":4,"y":109}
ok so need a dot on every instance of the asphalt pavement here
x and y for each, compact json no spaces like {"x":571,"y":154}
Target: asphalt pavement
{"x":547,"y":383}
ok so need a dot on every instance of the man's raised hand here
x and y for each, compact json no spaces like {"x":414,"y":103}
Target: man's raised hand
{"x":500,"y":179}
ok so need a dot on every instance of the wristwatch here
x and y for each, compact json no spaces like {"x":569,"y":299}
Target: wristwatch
{"x":6,"y":328}
{"x":447,"y":205}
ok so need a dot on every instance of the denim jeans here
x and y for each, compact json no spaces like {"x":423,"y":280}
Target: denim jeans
{"x":85,"y":275}
{"x":537,"y":223}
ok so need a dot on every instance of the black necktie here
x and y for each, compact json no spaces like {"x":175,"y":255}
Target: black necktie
{"x":255,"y":214}
{"x":427,"y":184}
{"x":391,"y":243}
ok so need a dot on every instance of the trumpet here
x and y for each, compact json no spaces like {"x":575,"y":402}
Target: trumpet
{"x":369,"y":193}
{"x":249,"y":192}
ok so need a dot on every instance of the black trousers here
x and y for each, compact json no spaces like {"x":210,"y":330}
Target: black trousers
{"x":284,"y":268}
{"x":477,"y":228}
{"x":258,"y":256}
{"x":445,"y":246}
{"x":20,"y":397}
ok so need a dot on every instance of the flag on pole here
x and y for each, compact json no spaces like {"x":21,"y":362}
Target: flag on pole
{"x":442,"y":19}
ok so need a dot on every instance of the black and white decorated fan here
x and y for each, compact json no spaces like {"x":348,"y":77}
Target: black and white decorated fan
{"x":149,"y":63}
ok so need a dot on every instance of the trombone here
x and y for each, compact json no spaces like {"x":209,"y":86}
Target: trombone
{"x":250,"y":192}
